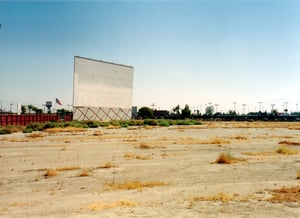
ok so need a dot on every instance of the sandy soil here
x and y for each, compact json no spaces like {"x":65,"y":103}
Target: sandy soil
{"x":152,"y":172}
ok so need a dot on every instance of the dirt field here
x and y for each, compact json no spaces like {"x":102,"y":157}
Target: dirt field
{"x":153,"y":172}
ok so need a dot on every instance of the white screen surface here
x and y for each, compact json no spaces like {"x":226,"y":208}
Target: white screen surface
{"x":102,"y":84}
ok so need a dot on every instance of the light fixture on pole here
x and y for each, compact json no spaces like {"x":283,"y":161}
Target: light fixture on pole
{"x":234,"y":103}
{"x":260,"y":105}
{"x":272,"y":105}
{"x":286,"y":109}
{"x":244,"y":105}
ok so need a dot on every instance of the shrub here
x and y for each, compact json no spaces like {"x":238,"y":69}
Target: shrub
{"x":124,"y":123}
{"x":4,"y":131}
{"x":27,"y":130}
{"x":104,"y":124}
{"x":92,"y":124}
{"x":172,"y":122}
{"x":76,"y":124}
{"x":51,"y":124}
{"x":34,"y":126}
{"x":151,"y":122}
{"x":184,"y":122}
{"x":115,"y":123}
{"x":135,"y":122}
{"x":145,"y":112}
{"x":163,"y":123}
{"x":188,"y":122}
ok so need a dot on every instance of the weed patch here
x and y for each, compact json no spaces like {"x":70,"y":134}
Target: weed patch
{"x":108,"y":165}
{"x":144,"y":146}
{"x":240,"y":137}
{"x":218,"y":197}
{"x":287,"y":151}
{"x":104,"y":206}
{"x":66,"y":129}
{"x":35,"y":135}
{"x":59,"y":169}
{"x":286,"y":142}
{"x":285,"y":194}
{"x":130,"y":156}
{"x":134,"y":185}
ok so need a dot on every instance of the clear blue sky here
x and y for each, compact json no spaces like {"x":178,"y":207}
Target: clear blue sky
{"x":183,"y":52}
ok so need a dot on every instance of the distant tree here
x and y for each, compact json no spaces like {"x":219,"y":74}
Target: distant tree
{"x":176,"y":110}
{"x":232,"y":113}
{"x":209,"y":110}
{"x":30,"y":106}
{"x":186,"y":112}
{"x":23,"y":109}
{"x":274,"y":112}
{"x":145,"y":112}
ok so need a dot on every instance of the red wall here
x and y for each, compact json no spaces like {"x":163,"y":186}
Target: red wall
{"x":24,"y":120}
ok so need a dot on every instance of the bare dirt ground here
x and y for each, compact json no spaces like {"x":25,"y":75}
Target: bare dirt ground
{"x":153,"y":172}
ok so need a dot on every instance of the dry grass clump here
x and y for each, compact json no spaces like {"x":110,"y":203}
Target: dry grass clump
{"x":144,"y":146}
{"x":130,"y":156}
{"x":194,"y":141}
{"x":69,"y":168}
{"x":50,"y":173}
{"x":113,"y":127}
{"x":84,"y":173}
{"x":66,"y":129}
{"x":218,"y":197}
{"x":134,"y":185}
{"x":295,"y":127}
{"x":97,"y":133}
{"x":217,"y":141}
{"x":286,"y":142}
{"x":227,"y":158}
{"x":35,"y":135}
{"x":287,"y":151}
{"x":104,"y":206}
{"x":18,"y":140}
{"x":108,"y":165}
{"x":298,"y":174}
{"x":284,"y":194}
{"x":240,"y":137}
{"x":224,"y":159}
{"x":260,"y":153}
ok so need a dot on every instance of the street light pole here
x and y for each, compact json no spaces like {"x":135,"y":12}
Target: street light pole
{"x":11,"y":104}
{"x":244,"y":105}
{"x":260,"y":105}
{"x":216,"y":107}
{"x":286,"y":110}
{"x":272,"y":105}
{"x":234,"y":103}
